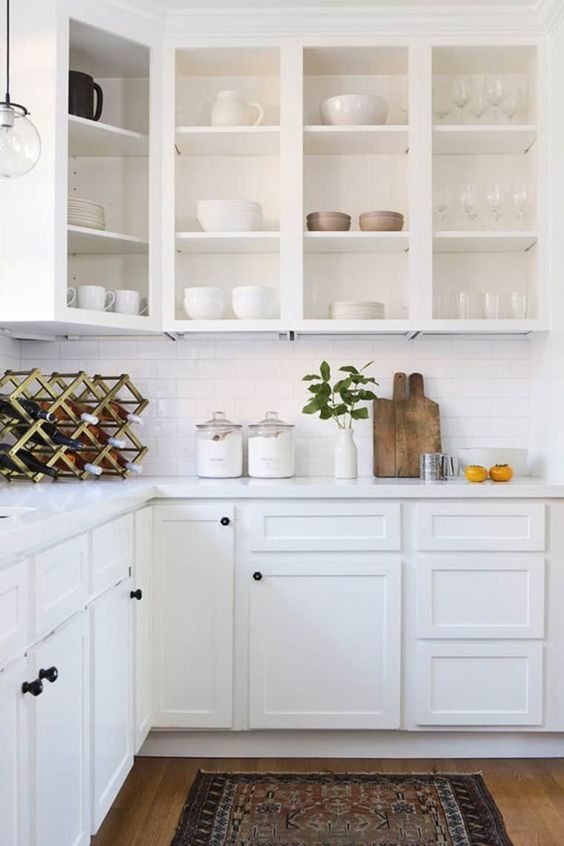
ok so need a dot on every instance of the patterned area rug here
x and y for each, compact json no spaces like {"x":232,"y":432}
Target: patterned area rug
{"x":318,"y":809}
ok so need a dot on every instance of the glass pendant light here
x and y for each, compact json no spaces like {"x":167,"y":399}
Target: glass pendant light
{"x":20,"y":144}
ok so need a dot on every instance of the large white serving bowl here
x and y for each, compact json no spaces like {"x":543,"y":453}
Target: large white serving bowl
{"x":488,"y":456}
{"x":205,"y":303}
{"x":354,"y":110}
{"x":229,"y":215}
{"x":252,"y":302}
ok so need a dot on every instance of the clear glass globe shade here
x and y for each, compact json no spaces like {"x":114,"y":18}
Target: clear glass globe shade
{"x":20,"y":147}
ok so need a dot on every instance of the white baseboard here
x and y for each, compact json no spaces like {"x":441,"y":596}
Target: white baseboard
{"x":351,"y":744}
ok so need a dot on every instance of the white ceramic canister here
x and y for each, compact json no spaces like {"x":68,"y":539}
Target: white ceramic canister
{"x":219,"y":448}
{"x":271,"y":448}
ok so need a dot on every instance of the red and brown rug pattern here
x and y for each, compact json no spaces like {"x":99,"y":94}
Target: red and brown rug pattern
{"x":319,"y":809}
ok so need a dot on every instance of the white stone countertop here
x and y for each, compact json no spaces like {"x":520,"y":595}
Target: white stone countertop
{"x":55,"y":510}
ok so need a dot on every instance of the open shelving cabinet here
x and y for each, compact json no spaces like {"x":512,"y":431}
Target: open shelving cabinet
{"x":294,"y":164}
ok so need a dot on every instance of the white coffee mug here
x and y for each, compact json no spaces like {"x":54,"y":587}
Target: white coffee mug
{"x":91,"y":297}
{"x":129,"y":302}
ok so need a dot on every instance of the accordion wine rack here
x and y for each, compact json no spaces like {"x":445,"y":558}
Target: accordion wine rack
{"x":72,"y":424}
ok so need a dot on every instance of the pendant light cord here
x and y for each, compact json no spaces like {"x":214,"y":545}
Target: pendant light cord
{"x":7,"y":99}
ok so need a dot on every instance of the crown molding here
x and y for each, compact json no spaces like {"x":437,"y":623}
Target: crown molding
{"x":550,"y":13}
{"x":357,"y":22}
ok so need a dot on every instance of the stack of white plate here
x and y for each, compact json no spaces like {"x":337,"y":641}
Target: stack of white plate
{"x":86,"y":213}
{"x":356,"y":310}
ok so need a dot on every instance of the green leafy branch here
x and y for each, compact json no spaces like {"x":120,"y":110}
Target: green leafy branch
{"x":339,"y":401}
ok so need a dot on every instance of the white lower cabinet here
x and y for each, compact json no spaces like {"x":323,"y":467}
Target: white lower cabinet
{"x":111,"y":697}
{"x":325,"y":644}
{"x":59,"y":737}
{"x":193,"y":616}
{"x":141,"y":614}
{"x":14,"y":772}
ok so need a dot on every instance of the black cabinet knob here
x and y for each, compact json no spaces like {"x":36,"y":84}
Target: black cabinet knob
{"x":34,"y":687}
{"x":257,"y":576}
{"x":136,"y":594}
{"x":225,"y":521}
{"x":51,"y":674}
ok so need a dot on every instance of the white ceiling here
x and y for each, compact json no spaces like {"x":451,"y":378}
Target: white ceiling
{"x":375,"y":4}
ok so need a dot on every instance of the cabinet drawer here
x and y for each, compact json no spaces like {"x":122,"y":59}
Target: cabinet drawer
{"x":479,"y":684}
{"x":14,"y":618}
{"x":480,"y":596}
{"x":324,"y":526}
{"x":60,"y":583}
{"x":112,"y":553}
{"x":481,"y":526}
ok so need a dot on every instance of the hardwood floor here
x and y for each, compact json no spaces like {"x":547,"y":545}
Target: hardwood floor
{"x":529,"y":793}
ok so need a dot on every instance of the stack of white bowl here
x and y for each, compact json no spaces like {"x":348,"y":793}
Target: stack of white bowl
{"x":86,"y":213}
{"x":252,"y":302}
{"x":229,"y":215}
{"x":356,"y":310}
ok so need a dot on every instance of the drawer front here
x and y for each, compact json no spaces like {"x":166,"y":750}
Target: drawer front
{"x":60,"y":583}
{"x":479,"y":684}
{"x":480,"y":596}
{"x":112,"y":553}
{"x":479,"y":526}
{"x":323,"y":526}
{"x":14,"y":617}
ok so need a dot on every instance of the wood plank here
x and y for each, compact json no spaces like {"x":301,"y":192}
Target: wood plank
{"x":418,"y":428}
{"x":529,"y":793}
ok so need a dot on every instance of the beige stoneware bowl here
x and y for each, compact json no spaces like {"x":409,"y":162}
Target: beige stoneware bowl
{"x":328,"y":222}
{"x":381,"y":221}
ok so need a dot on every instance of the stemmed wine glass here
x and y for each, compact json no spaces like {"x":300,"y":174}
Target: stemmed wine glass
{"x":442,"y":203}
{"x":468,"y":198}
{"x":461,"y":92}
{"x":495,"y":92}
{"x":520,"y":197}
{"x":513,"y":104}
{"x":441,"y":104}
{"x":494,"y":199}
{"x":478,"y":104}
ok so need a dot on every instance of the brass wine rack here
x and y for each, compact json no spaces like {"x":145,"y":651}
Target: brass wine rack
{"x":66,"y":396}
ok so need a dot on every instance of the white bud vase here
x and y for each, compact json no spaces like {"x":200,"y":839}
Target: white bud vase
{"x":346,"y":455}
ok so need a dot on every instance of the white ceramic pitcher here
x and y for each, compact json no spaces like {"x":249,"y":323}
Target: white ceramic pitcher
{"x":230,"y":109}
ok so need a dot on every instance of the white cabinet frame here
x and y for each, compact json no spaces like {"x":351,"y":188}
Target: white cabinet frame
{"x":481,"y":526}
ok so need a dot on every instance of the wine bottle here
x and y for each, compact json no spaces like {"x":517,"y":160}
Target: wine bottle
{"x":8,"y":408}
{"x":122,"y":462}
{"x":60,"y":439}
{"x":103,"y":438}
{"x":78,"y":461}
{"x":36,"y":466}
{"x":81,"y":412}
{"x":122,"y":413}
{"x":6,"y":460}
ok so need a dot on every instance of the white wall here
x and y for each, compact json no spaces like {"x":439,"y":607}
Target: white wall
{"x":483,"y":387}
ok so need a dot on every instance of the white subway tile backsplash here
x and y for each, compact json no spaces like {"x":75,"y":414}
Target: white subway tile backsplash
{"x":483,"y":386}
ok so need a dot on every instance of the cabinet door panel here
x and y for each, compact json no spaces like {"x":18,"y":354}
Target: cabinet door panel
{"x":193,"y":617}
{"x":14,"y":774}
{"x":112,"y":553}
{"x":323,"y":526}
{"x":479,"y":596}
{"x":60,"y":583}
{"x":111,"y":697}
{"x":475,"y":526}
{"x":479,"y":684}
{"x":14,"y":618}
{"x":325,"y":645}
{"x":60,"y":739}
{"x":141,"y":612}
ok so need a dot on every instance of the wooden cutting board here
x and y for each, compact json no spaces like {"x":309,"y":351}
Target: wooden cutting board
{"x":418,"y":428}
{"x":384,"y":430}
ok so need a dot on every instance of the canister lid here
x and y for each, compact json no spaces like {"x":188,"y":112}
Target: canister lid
{"x":270,"y":422}
{"x":218,"y":421}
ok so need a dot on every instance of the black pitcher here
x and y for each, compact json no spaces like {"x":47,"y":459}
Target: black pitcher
{"x":82,"y":89}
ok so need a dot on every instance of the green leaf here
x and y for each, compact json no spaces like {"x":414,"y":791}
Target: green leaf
{"x":325,"y":389}
{"x":325,"y":371}
{"x":342,"y":385}
{"x":339,"y":410}
{"x":359,"y":414}
{"x":310,"y":408}
{"x":367,"y":395}
{"x":348,"y":369}
{"x":325,"y":414}
{"x":314,"y":389}
{"x":366,"y":365}
{"x":310,"y":377}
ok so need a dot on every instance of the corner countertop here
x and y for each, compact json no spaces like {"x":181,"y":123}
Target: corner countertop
{"x":57,"y":510}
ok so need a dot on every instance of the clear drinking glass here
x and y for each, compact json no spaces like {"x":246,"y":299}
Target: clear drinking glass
{"x":520,"y":196}
{"x":494,"y":199}
{"x":461,"y":92}
{"x":492,"y":305}
{"x":469,"y":202}
{"x":495,"y":92}
{"x":519,"y":305}
{"x":442,"y":202}
{"x":468,"y":305}
{"x":513,"y":104}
